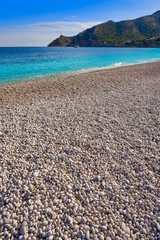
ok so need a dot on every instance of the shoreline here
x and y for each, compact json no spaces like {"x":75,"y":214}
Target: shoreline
{"x":68,"y":83}
{"x":79,"y":156}
{"x":112,"y":66}
{"x":78,"y":72}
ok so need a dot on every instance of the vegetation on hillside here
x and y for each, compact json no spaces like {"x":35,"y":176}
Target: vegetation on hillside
{"x":142,"y":32}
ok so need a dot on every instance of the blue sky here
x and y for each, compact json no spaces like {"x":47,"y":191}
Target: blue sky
{"x":36,"y":23}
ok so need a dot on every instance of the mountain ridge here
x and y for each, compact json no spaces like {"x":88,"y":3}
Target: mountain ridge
{"x":140,"y":32}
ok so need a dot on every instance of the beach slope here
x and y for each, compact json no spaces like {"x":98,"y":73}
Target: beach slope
{"x":79,"y":156}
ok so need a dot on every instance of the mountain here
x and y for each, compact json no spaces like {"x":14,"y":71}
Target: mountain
{"x":140,"y":32}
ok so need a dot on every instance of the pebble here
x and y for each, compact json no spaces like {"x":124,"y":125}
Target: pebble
{"x":65,"y":237}
{"x":108,"y":238}
{"x":78,"y":218}
{"x":127,"y":230}
{"x":50,"y":238}
{"x":25,"y":188}
{"x":1,"y":229}
{"x":117,"y":238}
{"x":70,"y":219}
{"x":87,"y":235}
{"x":21,"y":237}
{"x":35,"y":174}
{"x":123,"y":226}
{"x":101,"y":237}
{"x":157,"y":225}
{"x":54,"y":215}
{"x":104,"y":228}
{"x":23,"y":230}
{"x":76,"y":227}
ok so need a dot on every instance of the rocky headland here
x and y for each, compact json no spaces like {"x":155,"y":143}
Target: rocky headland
{"x":140,"y":32}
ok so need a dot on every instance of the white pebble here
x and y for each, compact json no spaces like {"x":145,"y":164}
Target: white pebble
{"x":35,"y":174}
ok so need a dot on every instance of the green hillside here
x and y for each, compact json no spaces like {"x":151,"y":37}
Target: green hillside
{"x":140,"y":32}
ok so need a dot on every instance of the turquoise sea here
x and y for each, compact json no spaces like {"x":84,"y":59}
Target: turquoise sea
{"x":28,"y":63}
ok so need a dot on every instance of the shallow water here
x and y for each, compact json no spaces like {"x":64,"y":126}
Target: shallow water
{"x":27,"y":63}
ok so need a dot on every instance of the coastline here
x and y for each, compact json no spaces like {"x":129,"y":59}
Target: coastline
{"x":82,"y":71}
{"x":53,"y":84}
{"x":79,"y":156}
{"x":20,"y":69}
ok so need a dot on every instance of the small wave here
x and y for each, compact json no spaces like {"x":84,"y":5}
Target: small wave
{"x":114,"y":65}
{"x":118,"y":64}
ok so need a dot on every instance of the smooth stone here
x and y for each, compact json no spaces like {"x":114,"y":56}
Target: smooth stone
{"x":65,"y":237}
{"x":25,"y":188}
{"x":117,"y":238}
{"x":103,"y":183}
{"x":102,"y":194}
{"x":78,"y":218}
{"x":32,"y":229}
{"x":87,"y":235}
{"x":104,"y":228}
{"x":21,"y":237}
{"x":123,"y":226}
{"x":31,"y":207}
{"x":54,"y":215}
{"x":50,"y":238}
{"x":101,"y":237}
{"x":25,"y":237}
{"x":35,"y":174}
{"x":23,"y":230}
{"x":70,"y":219}
{"x":157,"y":226}
{"x":6,"y":221}
{"x":127,"y":230}
{"x":76,"y":227}
{"x":31,"y":188}
{"x":108,"y":238}
{"x":144,"y":231}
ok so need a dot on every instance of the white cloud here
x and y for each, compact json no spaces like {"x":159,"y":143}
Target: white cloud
{"x":40,"y":34}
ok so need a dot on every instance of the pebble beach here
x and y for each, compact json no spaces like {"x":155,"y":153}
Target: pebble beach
{"x":79,"y":156}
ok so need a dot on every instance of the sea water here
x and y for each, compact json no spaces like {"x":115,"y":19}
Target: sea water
{"x":29,"y":63}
